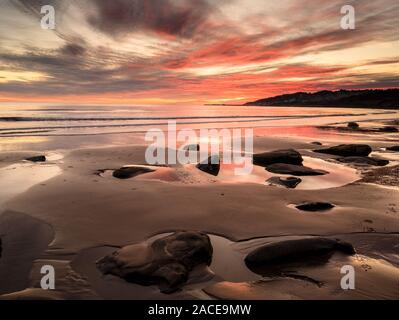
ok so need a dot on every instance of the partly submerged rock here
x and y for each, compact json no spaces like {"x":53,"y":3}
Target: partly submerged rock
{"x":293,"y":251}
{"x":211,"y":165}
{"x":289,"y":156}
{"x":315,"y":206}
{"x":348,"y":150}
{"x":283,"y":168}
{"x":353,"y":125}
{"x":317,"y":143}
{"x":393,"y":148}
{"x":36,"y":159}
{"x":365,"y":161}
{"x":290,"y":182}
{"x":130,"y":172}
{"x":167,"y":262}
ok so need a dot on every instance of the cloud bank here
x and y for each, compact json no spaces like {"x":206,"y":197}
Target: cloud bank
{"x":183,"y":51}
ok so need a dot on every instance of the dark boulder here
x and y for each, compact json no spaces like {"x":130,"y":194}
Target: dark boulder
{"x":289,"y":156}
{"x":290,"y":182}
{"x":394,"y":148}
{"x":348,"y":150}
{"x":211,"y":165}
{"x":36,"y":159}
{"x":365,"y":161}
{"x":167,"y":262}
{"x":317,"y":143}
{"x":130,"y":172}
{"x":283,"y":168}
{"x":353,"y":125}
{"x":315,"y":206}
{"x":294,"y":251}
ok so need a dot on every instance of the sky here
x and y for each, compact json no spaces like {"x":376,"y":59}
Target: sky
{"x":193,"y":51}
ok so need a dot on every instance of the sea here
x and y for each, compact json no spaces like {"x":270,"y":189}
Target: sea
{"x":64,"y":127}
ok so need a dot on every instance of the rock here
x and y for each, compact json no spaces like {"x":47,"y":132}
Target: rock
{"x":317,"y":143}
{"x":130,"y":172}
{"x":388,"y":129}
{"x":348,"y":150}
{"x":394,"y":148}
{"x":283,"y":168}
{"x":192,"y":147}
{"x":365,"y":161}
{"x":36,"y":159}
{"x":291,"y":251}
{"x":289,"y":156}
{"x":211,"y":165}
{"x":315,"y":206}
{"x":167,"y":262}
{"x":353,"y":125}
{"x":290,"y":182}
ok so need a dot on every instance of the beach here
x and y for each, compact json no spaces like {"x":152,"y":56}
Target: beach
{"x":71,"y":211}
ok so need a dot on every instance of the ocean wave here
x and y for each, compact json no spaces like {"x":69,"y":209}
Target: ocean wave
{"x":263,"y":117}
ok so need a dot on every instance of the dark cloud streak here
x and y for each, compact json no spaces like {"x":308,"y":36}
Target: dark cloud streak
{"x":170,"y":17}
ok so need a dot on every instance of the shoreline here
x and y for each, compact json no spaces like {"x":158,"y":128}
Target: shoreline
{"x":87,"y":212}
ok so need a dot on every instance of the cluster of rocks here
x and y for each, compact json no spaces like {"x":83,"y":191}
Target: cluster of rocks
{"x":167,"y":262}
{"x":387,"y":129}
{"x":287,"y":162}
{"x":354,"y":126}
{"x":290,"y":161}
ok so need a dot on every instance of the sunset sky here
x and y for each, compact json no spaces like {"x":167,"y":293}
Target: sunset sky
{"x":193,"y":51}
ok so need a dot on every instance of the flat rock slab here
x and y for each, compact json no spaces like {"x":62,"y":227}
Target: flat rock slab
{"x":131,"y":172}
{"x":315,"y":206}
{"x":348,"y":150}
{"x":365,"y":161}
{"x":289,"y":156}
{"x":167,"y":262}
{"x":290,"y":182}
{"x":283,"y":168}
{"x":291,"y":251}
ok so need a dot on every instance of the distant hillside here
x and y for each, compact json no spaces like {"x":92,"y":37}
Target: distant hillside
{"x":384,"y":99}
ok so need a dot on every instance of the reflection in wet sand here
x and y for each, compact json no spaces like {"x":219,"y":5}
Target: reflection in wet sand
{"x":19,"y":177}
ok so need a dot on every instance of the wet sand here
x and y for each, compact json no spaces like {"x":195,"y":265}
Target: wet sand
{"x":91,"y":215}
{"x":24,"y":239}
